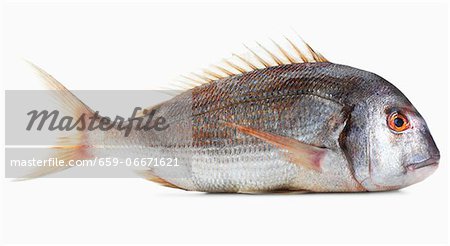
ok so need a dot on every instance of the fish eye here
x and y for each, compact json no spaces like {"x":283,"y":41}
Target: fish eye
{"x":398,"y":122}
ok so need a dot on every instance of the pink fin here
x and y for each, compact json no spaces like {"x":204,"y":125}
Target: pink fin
{"x":149,"y":175}
{"x":297,"y":152}
{"x":72,"y":147}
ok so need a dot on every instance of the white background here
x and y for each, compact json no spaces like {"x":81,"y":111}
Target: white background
{"x":120,"y":45}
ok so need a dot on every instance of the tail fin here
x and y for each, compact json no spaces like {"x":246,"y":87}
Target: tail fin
{"x":71,"y":147}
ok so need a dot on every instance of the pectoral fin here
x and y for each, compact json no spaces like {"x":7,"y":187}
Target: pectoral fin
{"x":296,"y":152}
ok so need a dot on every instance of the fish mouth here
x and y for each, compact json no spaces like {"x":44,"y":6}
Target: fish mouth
{"x":432,"y":162}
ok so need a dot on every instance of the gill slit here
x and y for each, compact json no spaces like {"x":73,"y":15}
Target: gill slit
{"x":341,"y":143}
{"x":369,"y":157}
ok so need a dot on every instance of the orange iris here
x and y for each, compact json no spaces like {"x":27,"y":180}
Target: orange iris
{"x":398,"y":122}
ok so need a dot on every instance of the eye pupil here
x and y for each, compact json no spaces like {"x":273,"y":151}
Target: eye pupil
{"x":398,"y":122}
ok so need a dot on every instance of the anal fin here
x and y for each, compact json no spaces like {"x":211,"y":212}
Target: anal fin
{"x":151,"y":176}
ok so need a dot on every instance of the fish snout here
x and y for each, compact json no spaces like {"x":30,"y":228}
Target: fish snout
{"x":433,"y":162}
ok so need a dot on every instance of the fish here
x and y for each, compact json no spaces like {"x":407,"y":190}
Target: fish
{"x":280,"y":120}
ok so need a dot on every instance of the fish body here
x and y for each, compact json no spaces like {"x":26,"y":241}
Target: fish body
{"x":312,"y":126}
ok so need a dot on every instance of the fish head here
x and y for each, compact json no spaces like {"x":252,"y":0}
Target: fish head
{"x":393,"y":145}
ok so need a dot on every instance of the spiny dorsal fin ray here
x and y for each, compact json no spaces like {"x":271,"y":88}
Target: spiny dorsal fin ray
{"x":256,"y":58}
{"x":261,"y":60}
{"x":253,"y":67}
{"x":285,"y":54}
{"x":273,"y":56}
{"x":298,"y":51}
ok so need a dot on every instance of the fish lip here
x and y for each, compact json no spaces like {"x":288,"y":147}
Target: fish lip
{"x":432,"y":162}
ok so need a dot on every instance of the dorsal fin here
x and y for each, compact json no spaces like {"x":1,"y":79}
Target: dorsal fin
{"x":257,"y":57}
